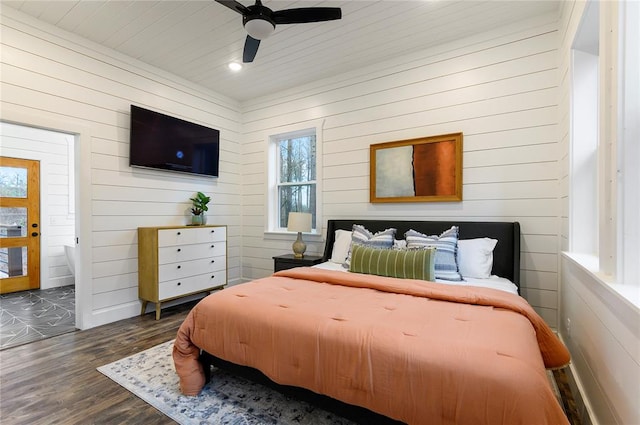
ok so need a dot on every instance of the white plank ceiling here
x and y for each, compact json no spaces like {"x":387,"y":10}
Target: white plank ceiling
{"x":197,"y":39}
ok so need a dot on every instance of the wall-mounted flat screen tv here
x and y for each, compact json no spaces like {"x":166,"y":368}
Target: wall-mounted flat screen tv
{"x":168,"y":143}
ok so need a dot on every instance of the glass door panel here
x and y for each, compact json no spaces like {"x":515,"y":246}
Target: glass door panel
{"x":13,"y":182}
{"x":13,"y":262}
{"x":13,"y":222}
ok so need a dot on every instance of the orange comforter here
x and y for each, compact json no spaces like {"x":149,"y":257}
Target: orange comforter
{"x":415,"y":351}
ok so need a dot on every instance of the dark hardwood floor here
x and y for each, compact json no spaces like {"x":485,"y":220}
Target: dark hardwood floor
{"x":55,"y":381}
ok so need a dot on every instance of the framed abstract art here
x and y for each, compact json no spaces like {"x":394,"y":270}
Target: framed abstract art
{"x":428,"y":169}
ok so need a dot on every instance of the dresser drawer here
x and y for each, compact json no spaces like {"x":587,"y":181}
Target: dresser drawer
{"x":182,"y":236}
{"x":178,"y":253}
{"x":190,"y":268}
{"x":191,"y":284}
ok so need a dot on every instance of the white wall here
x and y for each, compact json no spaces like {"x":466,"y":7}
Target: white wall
{"x":55,"y":80}
{"x":499,"y":89}
{"x":57,"y":215}
{"x":600,"y":328}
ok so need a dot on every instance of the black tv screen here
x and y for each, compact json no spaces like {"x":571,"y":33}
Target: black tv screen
{"x":169,"y":143}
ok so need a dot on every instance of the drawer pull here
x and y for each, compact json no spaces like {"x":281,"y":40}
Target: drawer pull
{"x":212,"y":276}
{"x":213,"y":231}
{"x":213,"y":246}
{"x":179,"y":249}
{"x":179,"y":283}
{"x":179,"y":233}
{"x":179,"y":267}
{"x":213,"y":261}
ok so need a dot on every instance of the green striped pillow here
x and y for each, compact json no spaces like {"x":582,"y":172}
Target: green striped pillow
{"x":402,"y":263}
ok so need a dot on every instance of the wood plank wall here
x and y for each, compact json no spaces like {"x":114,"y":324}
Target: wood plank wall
{"x":51,"y":76}
{"x":499,"y":89}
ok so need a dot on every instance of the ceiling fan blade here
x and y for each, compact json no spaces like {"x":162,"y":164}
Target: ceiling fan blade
{"x":306,"y":14}
{"x":250,"y":49}
{"x":234,"y":5}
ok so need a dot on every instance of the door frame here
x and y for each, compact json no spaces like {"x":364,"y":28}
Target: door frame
{"x":82,"y":132}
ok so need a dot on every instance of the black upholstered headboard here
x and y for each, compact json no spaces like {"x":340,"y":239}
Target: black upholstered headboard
{"x":506,"y":255}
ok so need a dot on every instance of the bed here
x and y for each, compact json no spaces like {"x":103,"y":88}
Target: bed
{"x":412,"y":350}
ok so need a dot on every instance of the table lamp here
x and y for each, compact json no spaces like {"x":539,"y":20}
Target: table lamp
{"x":299,"y":222}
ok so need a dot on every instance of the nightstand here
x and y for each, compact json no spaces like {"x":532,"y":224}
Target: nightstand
{"x":288,"y":261}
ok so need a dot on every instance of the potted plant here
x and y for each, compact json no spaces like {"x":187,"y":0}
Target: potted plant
{"x":200,"y":201}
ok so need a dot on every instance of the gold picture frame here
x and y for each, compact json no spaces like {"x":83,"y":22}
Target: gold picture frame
{"x":427,"y":169}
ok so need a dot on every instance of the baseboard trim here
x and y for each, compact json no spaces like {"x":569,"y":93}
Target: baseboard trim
{"x":583,"y":406}
{"x":132,"y":309}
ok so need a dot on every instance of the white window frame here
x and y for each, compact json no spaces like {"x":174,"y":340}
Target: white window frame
{"x":616,"y":259}
{"x":272,"y":223}
{"x":628,"y":130}
{"x":607,"y":144}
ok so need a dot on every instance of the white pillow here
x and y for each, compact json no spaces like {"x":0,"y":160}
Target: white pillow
{"x":475,"y":257}
{"x":399,"y":244}
{"x":341,"y":245}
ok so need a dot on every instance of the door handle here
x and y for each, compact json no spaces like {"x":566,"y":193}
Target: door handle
{"x":34,"y":234}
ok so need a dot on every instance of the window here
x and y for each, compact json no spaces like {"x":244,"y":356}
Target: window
{"x":584,"y":136}
{"x":605,"y":178}
{"x":296,"y":184}
{"x":293,"y":177}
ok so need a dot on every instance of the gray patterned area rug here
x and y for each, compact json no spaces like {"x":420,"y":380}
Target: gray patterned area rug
{"x":226,"y":399}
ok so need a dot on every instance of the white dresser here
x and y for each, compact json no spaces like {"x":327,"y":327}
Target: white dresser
{"x":174,"y":262}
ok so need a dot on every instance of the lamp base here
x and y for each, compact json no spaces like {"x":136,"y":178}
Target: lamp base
{"x":299,"y":247}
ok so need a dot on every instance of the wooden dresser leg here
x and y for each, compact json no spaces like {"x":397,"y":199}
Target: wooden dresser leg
{"x":144,"y":308}
{"x":157,"y":311}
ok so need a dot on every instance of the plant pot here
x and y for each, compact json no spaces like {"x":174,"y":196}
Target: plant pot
{"x":197,"y":220}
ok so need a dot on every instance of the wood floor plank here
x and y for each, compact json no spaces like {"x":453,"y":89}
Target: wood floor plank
{"x":56,"y":381}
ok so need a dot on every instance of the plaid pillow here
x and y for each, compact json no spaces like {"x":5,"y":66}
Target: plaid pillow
{"x":447,"y":248}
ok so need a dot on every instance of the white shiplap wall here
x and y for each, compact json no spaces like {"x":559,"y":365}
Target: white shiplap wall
{"x":604,"y":331}
{"x":55,"y":80}
{"x":499,"y":89}
{"x":57,"y":218}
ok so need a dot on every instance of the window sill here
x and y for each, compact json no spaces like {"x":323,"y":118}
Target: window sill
{"x":628,"y":293}
{"x":289,"y":236}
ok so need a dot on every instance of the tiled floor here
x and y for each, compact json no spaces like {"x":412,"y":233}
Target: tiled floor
{"x":32,"y":315}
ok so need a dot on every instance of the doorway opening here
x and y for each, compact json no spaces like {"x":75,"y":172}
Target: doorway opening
{"x":37,"y":234}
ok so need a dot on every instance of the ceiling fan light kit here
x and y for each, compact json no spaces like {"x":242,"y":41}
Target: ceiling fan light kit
{"x":259,"y":28}
{"x":259,"y":21}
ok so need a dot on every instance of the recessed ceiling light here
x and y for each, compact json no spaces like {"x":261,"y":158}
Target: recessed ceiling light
{"x":235,"y":66}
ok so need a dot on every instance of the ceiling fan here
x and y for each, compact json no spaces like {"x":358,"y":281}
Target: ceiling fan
{"x":260,"y":21}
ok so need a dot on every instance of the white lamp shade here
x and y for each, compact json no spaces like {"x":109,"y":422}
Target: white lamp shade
{"x":259,"y":28}
{"x":299,"y":222}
